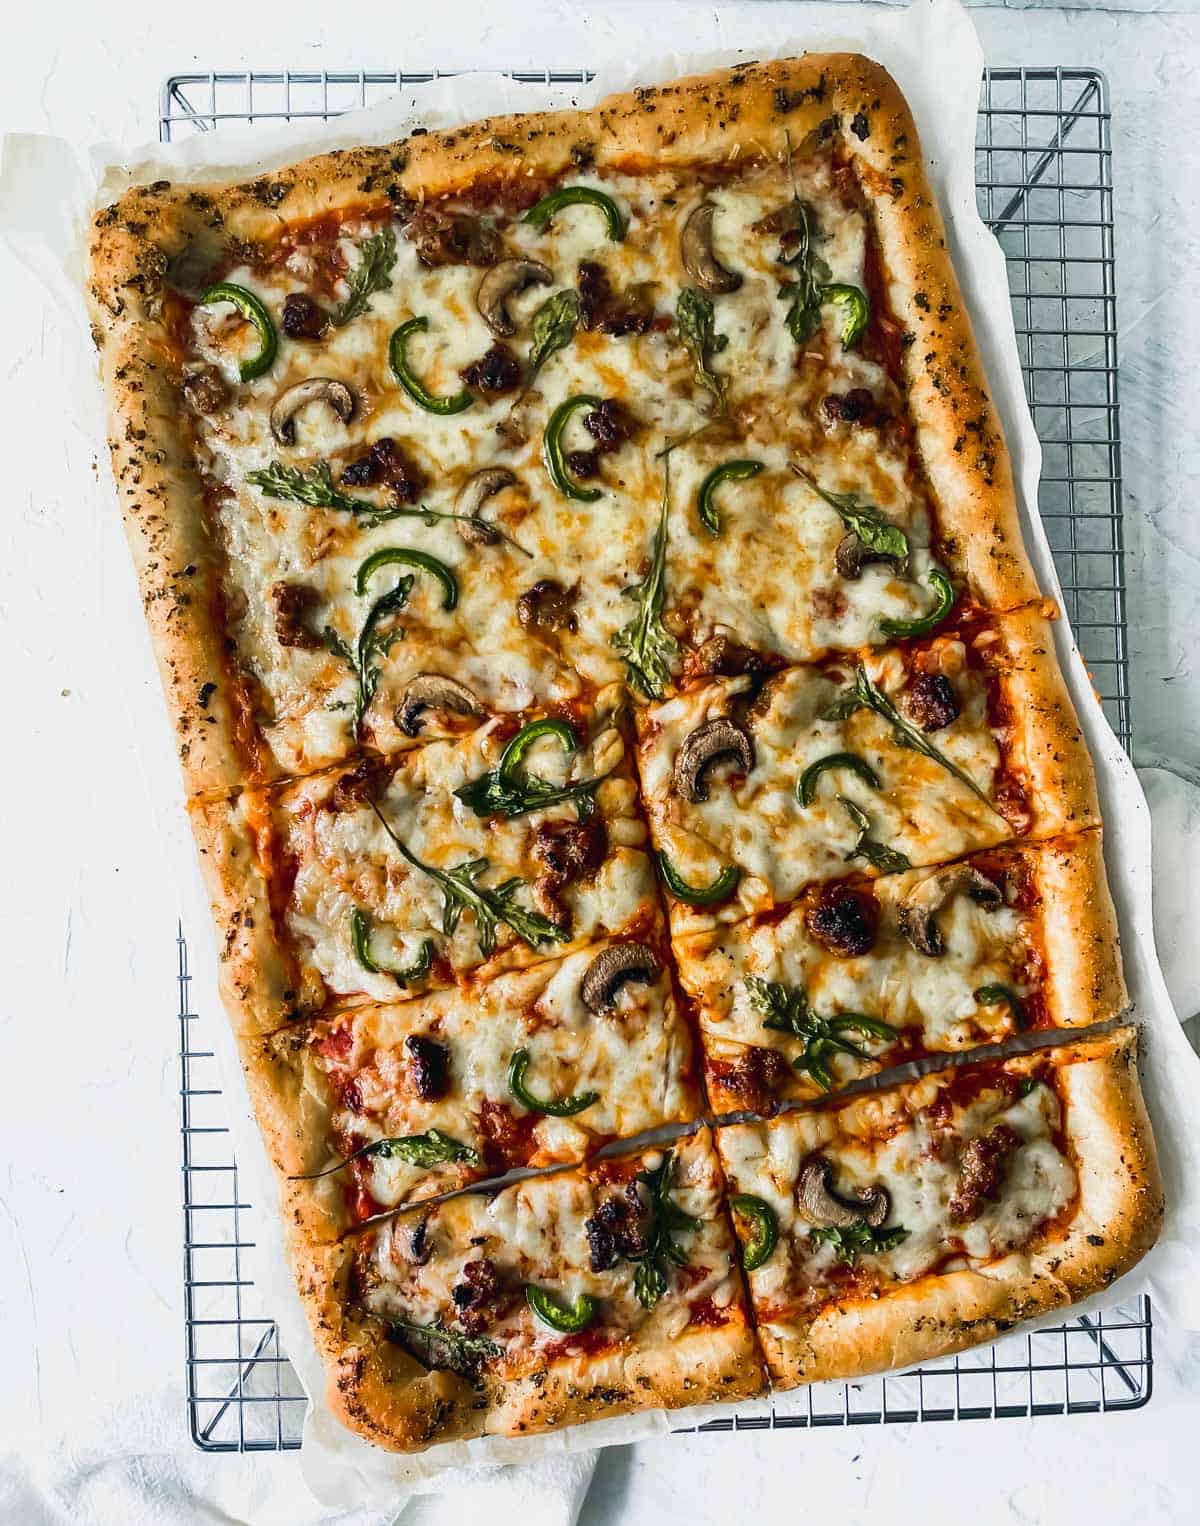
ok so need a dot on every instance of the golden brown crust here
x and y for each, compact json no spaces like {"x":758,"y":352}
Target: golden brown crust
{"x":259,"y":983}
{"x":700,"y":1366}
{"x":375,"y":1387}
{"x":1080,"y":939}
{"x":1116,"y":1221}
{"x":294,"y":1116}
{"x":1045,"y":739}
{"x":745,"y":112}
{"x":960,"y":439}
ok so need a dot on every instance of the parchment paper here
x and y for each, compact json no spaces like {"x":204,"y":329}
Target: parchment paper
{"x":47,"y":190}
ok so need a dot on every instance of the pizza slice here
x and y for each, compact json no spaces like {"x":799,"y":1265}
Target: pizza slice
{"x":862,"y":975}
{"x":558,"y":1299}
{"x":899,"y":757}
{"x":916,"y":1221}
{"x":442,"y":864}
{"x":539,"y":1067}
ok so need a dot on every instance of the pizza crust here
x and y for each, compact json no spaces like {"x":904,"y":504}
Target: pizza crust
{"x":1085,"y":983}
{"x":1116,"y":1221}
{"x":374,"y":1386}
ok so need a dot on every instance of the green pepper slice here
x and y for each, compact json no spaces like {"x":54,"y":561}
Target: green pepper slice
{"x":552,"y":448}
{"x":991,"y":994}
{"x":255,"y":313}
{"x":360,"y":938}
{"x":764,"y":1236}
{"x":569,"y":1321}
{"x":806,"y":789}
{"x":567,"y":1108}
{"x":732,"y":471}
{"x":542,"y":212}
{"x":388,"y":556}
{"x":420,"y":394}
{"x":858,"y":311}
{"x":859,"y":1022}
{"x":720,"y":889}
{"x":549,"y":726}
{"x":944,"y":589}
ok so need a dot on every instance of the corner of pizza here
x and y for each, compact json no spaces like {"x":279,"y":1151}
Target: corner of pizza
{"x":612,"y":694}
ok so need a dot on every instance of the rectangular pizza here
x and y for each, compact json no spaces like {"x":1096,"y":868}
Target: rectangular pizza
{"x":611,"y":692}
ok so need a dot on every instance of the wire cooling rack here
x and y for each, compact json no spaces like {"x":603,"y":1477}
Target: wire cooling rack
{"x":1044,"y":177}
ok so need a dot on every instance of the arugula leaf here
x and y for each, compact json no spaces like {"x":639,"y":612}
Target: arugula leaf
{"x":487,"y":531}
{"x":859,"y":1239}
{"x":425,"y":1150}
{"x":314,"y":488}
{"x":493,"y":795}
{"x":803,"y":292}
{"x":889,"y":860}
{"x":339,"y":647}
{"x":866,"y":695}
{"x":553,"y":328}
{"x":489,"y":905}
{"x":373,"y":273}
{"x":375,"y":641}
{"x":785,"y":1010}
{"x":865,"y":521}
{"x":463,"y":1353}
{"x":431,"y":1149}
{"x":645,"y":643}
{"x":694,"y":316}
{"x":664,"y":1220}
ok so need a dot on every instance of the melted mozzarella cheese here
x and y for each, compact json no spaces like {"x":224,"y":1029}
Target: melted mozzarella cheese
{"x":893,"y":1140}
{"x":768,"y":579}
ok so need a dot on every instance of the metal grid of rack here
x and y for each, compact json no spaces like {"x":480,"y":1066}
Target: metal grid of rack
{"x":1044,"y":177}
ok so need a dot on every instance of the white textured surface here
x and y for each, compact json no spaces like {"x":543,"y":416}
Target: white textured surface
{"x":89,"y":1219}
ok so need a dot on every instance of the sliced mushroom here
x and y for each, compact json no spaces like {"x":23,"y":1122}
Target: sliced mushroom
{"x":316,"y":389}
{"x":696,"y":251}
{"x":852,"y":555}
{"x":714,"y":739}
{"x":503,"y":281}
{"x":925,"y":900}
{"x":820,"y":1205}
{"x":611,"y":968}
{"x":410,"y":1240}
{"x":433,"y":691}
{"x":472,"y":496}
